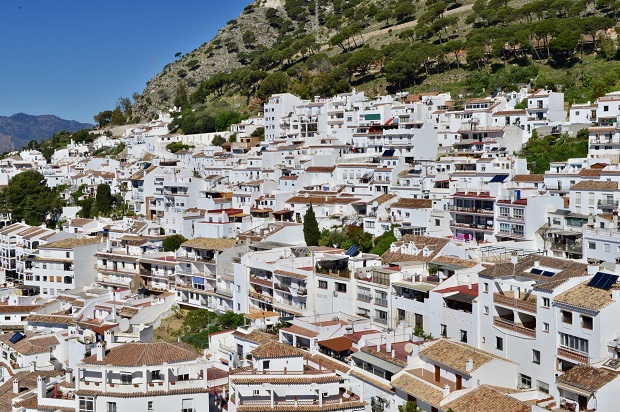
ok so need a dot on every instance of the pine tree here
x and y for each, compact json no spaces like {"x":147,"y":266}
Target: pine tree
{"x":311,"y":228}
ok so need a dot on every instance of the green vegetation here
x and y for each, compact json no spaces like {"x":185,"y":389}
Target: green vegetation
{"x":346,"y":237}
{"x":319,"y":48}
{"x":205,"y":118}
{"x":177,"y":146}
{"x":199,"y":323}
{"x":540,"y":151}
{"x":103,"y":199}
{"x":172,"y":242}
{"x":311,"y":228}
{"x":27,"y":197}
{"x":109,"y":150}
{"x":383,"y":242}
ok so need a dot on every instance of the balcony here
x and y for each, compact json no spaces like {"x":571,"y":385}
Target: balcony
{"x":471,"y":210}
{"x":507,"y":299}
{"x":567,"y":247}
{"x":260,"y":296}
{"x":472,"y":226}
{"x":364,"y":298}
{"x":381,"y":302}
{"x":607,"y":204}
{"x":514,"y":327}
{"x":383,"y":321}
{"x":573,"y":355}
{"x":262,"y":281}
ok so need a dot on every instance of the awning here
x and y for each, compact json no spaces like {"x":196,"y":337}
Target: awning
{"x":379,"y":363}
{"x":339,"y":344}
{"x":461,"y":297}
{"x":573,"y":389}
{"x":420,"y":287}
{"x":448,"y":266}
{"x":562,"y":232}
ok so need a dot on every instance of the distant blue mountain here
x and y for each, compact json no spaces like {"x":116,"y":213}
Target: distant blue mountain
{"x":17,"y":130}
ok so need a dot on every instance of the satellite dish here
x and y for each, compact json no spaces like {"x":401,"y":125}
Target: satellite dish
{"x":409,"y":348}
{"x":124,"y":325}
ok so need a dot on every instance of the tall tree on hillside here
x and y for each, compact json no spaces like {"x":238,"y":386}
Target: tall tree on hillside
{"x":27,"y":197}
{"x":103,"y":199}
{"x":311,"y":228}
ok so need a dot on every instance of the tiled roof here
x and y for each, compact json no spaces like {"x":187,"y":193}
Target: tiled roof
{"x":325,"y":362}
{"x":528,"y":178}
{"x":290,"y":274}
{"x":354,"y":405}
{"x":566,"y":269}
{"x":208,"y":243}
{"x":28,"y":345}
{"x":375,"y":382}
{"x":18,"y":308}
{"x":339,"y":344}
{"x":590,"y":172}
{"x":586,"y":297}
{"x":587,"y":377}
{"x":284,"y":380}
{"x":55,"y":319}
{"x":256,"y":336}
{"x":384,"y":356}
{"x":433,"y":243}
{"x":71,"y":243}
{"x":27,"y":381}
{"x":413,"y":203}
{"x":298,"y":330}
{"x":144,"y":354}
{"x":419,"y":389}
{"x":450,"y":260}
{"x":322,"y":200}
{"x":276,"y":350}
{"x":455,"y":355}
{"x":487,"y":399}
{"x":320,"y":169}
{"x":594,"y":185}
{"x":382,"y":199}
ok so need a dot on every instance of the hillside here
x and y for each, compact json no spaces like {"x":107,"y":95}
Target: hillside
{"x":322,"y":47}
{"x":17,"y":130}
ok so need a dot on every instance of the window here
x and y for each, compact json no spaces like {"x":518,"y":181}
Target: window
{"x":567,"y":317}
{"x":111,"y":407}
{"x":536,"y":356}
{"x":545,"y":327}
{"x":149,"y":405}
{"x":574,"y":343}
{"x":86,"y":404}
{"x":591,"y":245}
{"x":486,"y":310}
{"x":444,"y":330}
{"x":125,"y":378}
{"x":256,"y":392}
{"x":542,"y":386}
{"x":499,"y":343}
{"x":464,"y":336}
{"x":525,"y":381}
{"x":486,"y":287}
{"x":238,"y":288}
{"x":586,"y":322}
{"x":546,"y":302}
{"x":341,"y":287}
{"x":155,"y":375}
{"x":322,"y":284}
{"x":504,"y":211}
{"x":605,"y":247}
{"x":437,"y":223}
{"x":183,"y":377}
{"x":265,"y":365}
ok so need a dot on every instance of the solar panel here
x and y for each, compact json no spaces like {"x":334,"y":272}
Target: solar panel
{"x":498,"y":178}
{"x":548,"y":273}
{"x":536,"y":271}
{"x":352,"y":251}
{"x":16,"y":337}
{"x":389,"y":153}
{"x":603,"y":280}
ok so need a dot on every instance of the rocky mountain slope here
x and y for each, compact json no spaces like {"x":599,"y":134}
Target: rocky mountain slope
{"x":17,"y":130}
{"x":322,"y":47}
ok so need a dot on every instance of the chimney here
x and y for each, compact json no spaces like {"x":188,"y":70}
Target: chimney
{"x":388,"y":343}
{"x":379,"y":346}
{"x":514,"y":258}
{"x":615,"y":219}
{"x":40,"y":387}
{"x":69,"y":375}
{"x":33,"y":366}
{"x":393,"y":353}
{"x":445,"y":391}
{"x":468,"y":281}
{"x":100,"y":351}
{"x":592,"y":269}
{"x":469,"y":365}
{"x":15,"y":386}
{"x":109,"y":337}
{"x":537,"y":263}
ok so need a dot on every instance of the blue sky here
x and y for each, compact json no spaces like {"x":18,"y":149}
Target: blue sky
{"x":76,"y":58}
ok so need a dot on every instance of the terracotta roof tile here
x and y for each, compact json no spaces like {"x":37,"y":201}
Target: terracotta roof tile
{"x":419,"y":389}
{"x":207,"y":243}
{"x":298,"y":330}
{"x":455,"y":355}
{"x":594,"y":185}
{"x":586,"y":297}
{"x":406,"y":203}
{"x":487,"y":399}
{"x":276,"y":350}
{"x":587,"y":377}
{"x":528,"y":178}
{"x":144,"y":354}
{"x":256,"y":336}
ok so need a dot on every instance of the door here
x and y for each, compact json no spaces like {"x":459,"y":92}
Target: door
{"x":459,"y":382}
{"x":437,"y":373}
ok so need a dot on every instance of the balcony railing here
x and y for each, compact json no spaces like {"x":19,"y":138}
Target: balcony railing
{"x":607,"y":204}
{"x":364,"y":298}
{"x":380,"y":320}
{"x":453,"y":208}
{"x":573,"y":355}
{"x":510,"y":325}
{"x":567,"y":247}
{"x":522,"y":304}
{"x":381,"y":302}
